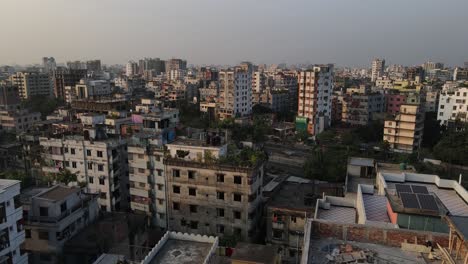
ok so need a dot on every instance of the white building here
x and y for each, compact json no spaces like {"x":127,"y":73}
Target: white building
{"x":453,"y":105}
{"x":100,"y":163}
{"x":88,"y":89}
{"x":315,"y":95}
{"x":12,"y":234}
{"x":177,"y":74}
{"x":235,"y":96}
{"x":54,"y":215}
{"x":131,"y":68}
{"x":378,"y":67}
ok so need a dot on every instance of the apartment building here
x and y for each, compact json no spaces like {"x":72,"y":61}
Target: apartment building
{"x":175,"y":64}
{"x":453,"y":105}
{"x":98,"y":161}
{"x":131,"y":68}
{"x":378,"y":67}
{"x":393,"y":101}
{"x":259,"y":81}
{"x":430,"y":99}
{"x":404,"y":132}
{"x":235,"y":93}
{"x":275,"y":99}
{"x":206,"y":196}
{"x":63,"y":77}
{"x":9,"y":96}
{"x":315,"y":95}
{"x":49,"y":64}
{"x":147,"y":177}
{"x":31,"y":84}
{"x":361,"y":108}
{"x":12,"y":233}
{"x":460,"y":74}
{"x":90,"y":89}
{"x":288,"y":80}
{"x":21,"y":120}
{"x":52,"y":216}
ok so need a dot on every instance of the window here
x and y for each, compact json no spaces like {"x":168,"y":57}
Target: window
{"x":293,"y":219}
{"x":160,"y":201}
{"x":91,"y":179}
{"x":442,"y":106}
{"x":140,"y":170}
{"x":159,"y":172}
{"x":176,"y":206}
{"x":44,"y":211}
{"x":277,"y":234}
{"x":160,"y":187}
{"x":238,"y":179}
{"x":27,"y":233}
{"x":220,"y":195}
{"x":102,"y":181}
{"x":237,"y":231}
{"x":63,"y":207}
{"x":67,"y":163}
{"x":43,"y":235}
{"x":220,"y":229}
{"x":220,"y":177}
{"x":176,"y":189}
{"x":90,"y":166}
{"x":100,"y":167}
{"x":193,"y":224}
{"x":193,"y":208}
{"x":99,"y":154}
{"x":65,"y":150}
{"x":191,"y":174}
{"x":74,"y":164}
{"x":72,"y":151}
{"x":237,"y":197}
{"x":176,"y":173}
{"x":237,"y":215}
{"x":220,"y":212}
{"x":192,"y":191}
{"x":88,"y":152}
{"x":141,"y":156}
{"x":454,"y":107}
{"x":103,"y":195}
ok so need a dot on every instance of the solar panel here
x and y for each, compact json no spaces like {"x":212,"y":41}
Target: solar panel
{"x":427,"y":202}
{"x":409,"y":200}
{"x":403,"y":188}
{"x":419,"y":189}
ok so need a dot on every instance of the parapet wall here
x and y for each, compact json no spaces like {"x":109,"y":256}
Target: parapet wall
{"x":370,"y":234}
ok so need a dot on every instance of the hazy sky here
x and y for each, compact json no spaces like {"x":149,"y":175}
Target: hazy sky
{"x":346,"y":32}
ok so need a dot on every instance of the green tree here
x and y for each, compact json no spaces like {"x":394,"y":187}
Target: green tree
{"x":26,"y":181}
{"x":66,"y":176}
{"x":453,"y":148}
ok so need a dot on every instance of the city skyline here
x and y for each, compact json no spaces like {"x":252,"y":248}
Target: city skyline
{"x":208,"y":32}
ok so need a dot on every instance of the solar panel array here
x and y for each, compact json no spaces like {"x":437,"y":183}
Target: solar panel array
{"x":416,"y":197}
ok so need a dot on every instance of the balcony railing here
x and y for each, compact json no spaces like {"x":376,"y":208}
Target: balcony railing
{"x":53,"y":220}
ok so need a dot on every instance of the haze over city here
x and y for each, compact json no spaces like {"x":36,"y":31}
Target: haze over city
{"x":343,"y":32}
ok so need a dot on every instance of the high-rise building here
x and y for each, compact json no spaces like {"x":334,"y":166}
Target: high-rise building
{"x":93,"y":65}
{"x":48,"y":63}
{"x":63,"y":77}
{"x":415,"y":74}
{"x":9,"y":96}
{"x":378,"y":67}
{"x":430,"y":65}
{"x":315,"y":95}
{"x":361,"y":108}
{"x":12,"y":234}
{"x":151,"y":64}
{"x":453,"y":105}
{"x":404,"y":133}
{"x":76,"y":65}
{"x":235,"y":93}
{"x":31,"y":84}
{"x":175,"y":64}
{"x":259,"y":81}
{"x":288,"y":80}
{"x":131,"y":68}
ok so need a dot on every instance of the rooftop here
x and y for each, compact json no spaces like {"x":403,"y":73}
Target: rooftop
{"x":7,"y":183}
{"x":376,"y":208}
{"x":365,"y":162}
{"x":255,"y":253}
{"x":339,"y":214}
{"x":58,"y":192}
{"x":293,"y":195}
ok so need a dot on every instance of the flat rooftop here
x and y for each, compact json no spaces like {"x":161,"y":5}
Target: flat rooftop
{"x":58,"y":193}
{"x":177,"y":251}
{"x":255,"y":253}
{"x":7,"y":183}
{"x":293,"y":195}
{"x":376,"y":207}
{"x":449,"y":197}
{"x":364,"y":162}
{"x":339,"y":214}
{"x":194,"y":143}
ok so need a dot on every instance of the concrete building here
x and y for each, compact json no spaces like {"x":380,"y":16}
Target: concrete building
{"x":430,"y":99}
{"x":393,"y":101}
{"x":315,"y":96}
{"x":235,"y":93}
{"x":100,"y":163}
{"x":176,"y":75}
{"x":52,"y":216}
{"x":210,"y":197}
{"x":9,"y":96}
{"x":378,"y":67}
{"x":460,"y":74}
{"x":247,"y":253}
{"x":415,"y":74}
{"x":275,"y":99}
{"x":76,"y":65}
{"x":405,"y":131}
{"x":131,"y":68}
{"x":175,"y":248}
{"x":147,"y":177}
{"x":21,"y":120}
{"x":94,"y":66}
{"x":453,"y":105}
{"x":288,"y":80}
{"x":151,"y":64}
{"x":12,"y":234}
{"x":31,"y":84}
{"x":63,"y":77}
{"x":361,"y":108}
{"x":259,"y":81}
{"x":49,"y":65}
{"x":287,"y":211}
{"x":88,"y":89}
{"x":431,"y":65}
{"x":175,"y":64}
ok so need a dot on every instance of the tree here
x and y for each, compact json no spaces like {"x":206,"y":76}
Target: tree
{"x":19,"y":176}
{"x":453,"y":148}
{"x":66,"y":176}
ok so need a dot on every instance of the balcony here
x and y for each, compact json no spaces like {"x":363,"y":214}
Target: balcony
{"x":57,"y":219}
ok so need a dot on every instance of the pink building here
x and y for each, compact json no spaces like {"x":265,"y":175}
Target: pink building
{"x":393,"y":102}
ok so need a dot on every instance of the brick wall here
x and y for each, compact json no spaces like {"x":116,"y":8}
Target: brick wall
{"x":378,"y":235}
